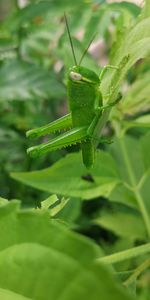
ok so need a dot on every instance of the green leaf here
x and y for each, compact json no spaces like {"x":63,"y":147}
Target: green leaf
{"x":69,"y":174}
{"x":101,"y":18}
{"x":41,"y":9}
{"x":129,"y":6}
{"x":137,"y":97}
{"x":8,"y":295}
{"x":28,"y":221}
{"x":129,"y":156}
{"x":145,"y":144}
{"x":47,"y":274}
{"x":146,"y":10}
{"x":134,"y":46}
{"x":54,"y":204}
{"x":29,"y":12}
{"x":24,"y":81}
{"x":143,"y":121}
{"x":71,"y":212}
{"x":41,"y":259}
{"x":122,"y":220}
{"x":116,"y":176}
{"x":49,"y":201}
{"x":3,"y":201}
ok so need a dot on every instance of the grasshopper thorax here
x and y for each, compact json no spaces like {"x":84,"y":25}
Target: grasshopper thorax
{"x":81,"y":74}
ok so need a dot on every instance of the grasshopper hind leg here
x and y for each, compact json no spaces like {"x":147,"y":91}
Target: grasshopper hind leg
{"x":66,"y":139}
{"x":64,"y":122}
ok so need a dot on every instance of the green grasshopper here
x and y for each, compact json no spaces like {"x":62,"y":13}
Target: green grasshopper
{"x":86,"y":107}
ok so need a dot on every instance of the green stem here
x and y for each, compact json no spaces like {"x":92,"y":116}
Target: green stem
{"x":126,"y":254}
{"x":103,"y":120}
{"x":140,"y":269}
{"x":135,"y":188}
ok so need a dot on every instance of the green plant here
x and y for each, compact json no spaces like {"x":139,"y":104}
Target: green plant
{"x":45,"y":250}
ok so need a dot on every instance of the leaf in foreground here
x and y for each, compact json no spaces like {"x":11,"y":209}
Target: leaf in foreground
{"x":41,"y":259}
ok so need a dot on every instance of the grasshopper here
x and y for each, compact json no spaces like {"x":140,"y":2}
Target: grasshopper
{"x":86,"y":108}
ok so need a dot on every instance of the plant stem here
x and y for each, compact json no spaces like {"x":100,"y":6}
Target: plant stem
{"x":103,"y":120}
{"x":141,"y":268}
{"x":126,"y":254}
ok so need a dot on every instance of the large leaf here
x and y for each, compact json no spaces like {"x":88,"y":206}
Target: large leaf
{"x":40,"y":259}
{"x":122,"y":176}
{"x":49,"y":233}
{"x":69,"y":175}
{"x":23,"y":81}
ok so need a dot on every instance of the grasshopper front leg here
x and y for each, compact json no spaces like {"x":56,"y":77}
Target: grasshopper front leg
{"x":104,"y":70}
{"x":107,"y":106}
{"x":91,"y":129}
{"x":60,"y":124}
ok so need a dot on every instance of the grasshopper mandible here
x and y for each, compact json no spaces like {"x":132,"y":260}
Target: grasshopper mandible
{"x":86,"y":107}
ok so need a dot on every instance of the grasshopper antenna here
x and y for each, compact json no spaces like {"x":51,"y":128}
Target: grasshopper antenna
{"x":85,"y":51}
{"x":70,"y":39}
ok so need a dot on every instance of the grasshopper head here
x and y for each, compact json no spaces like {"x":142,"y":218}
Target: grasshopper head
{"x":80,"y":74}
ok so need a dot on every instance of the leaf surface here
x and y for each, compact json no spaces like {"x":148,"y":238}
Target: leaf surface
{"x":41,"y":259}
{"x":122,"y":176}
{"x":23,"y":81}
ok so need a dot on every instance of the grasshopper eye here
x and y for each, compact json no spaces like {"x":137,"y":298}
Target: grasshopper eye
{"x":75,"y":76}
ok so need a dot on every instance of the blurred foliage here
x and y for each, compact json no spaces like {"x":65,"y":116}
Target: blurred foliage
{"x":110,"y":203}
